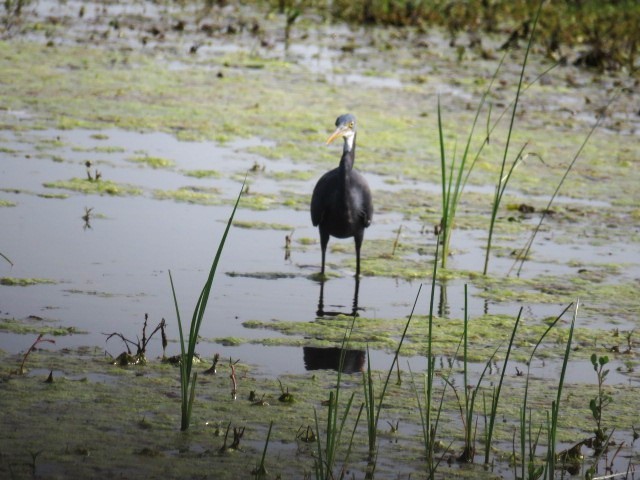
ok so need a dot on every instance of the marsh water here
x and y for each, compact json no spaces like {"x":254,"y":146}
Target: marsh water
{"x":100,"y":261}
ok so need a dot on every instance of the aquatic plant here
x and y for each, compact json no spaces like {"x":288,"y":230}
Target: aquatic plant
{"x":372,"y":410}
{"x":523,"y":254}
{"x":528,"y":446}
{"x":451,"y":192}
{"x":495,"y":394}
{"x":127,"y":358}
{"x":261,"y":471}
{"x":39,"y":340}
{"x":6,"y":258}
{"x":470,"y":393}
{"x":600,"y":401}
{"x":188,"y":348}
{"x":428,"y":423}
{"x":503,"y":178}
{"x":551,"y":460}
{"x":325,"y":461}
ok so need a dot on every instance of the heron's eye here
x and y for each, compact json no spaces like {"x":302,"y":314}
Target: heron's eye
{"x":350,"y":124}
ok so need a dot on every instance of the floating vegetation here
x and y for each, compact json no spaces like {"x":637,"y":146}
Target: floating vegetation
{"x":153,"y":162}
{"x":98,"y":187}
{"x":195,"y":195}
{"x":57,"y":196}
{"x":7,"y":203}
{"x":202,"y":173}
{"x":261,"y":225}
{"x":37,"y":325}
{"x":23,"y":282}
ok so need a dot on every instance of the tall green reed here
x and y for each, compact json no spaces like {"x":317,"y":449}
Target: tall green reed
{"x":495,"y":394}
{"x":524,"y":253}
{"x":188,"y":348}
{"x":451,"y":192}
{"x":325,"y":461}
{"x":504,"y":175}
{"x":428,"y":420}
{"x":550,"y":467}
{"x":528,"y":457}
{"x":372,"y":409}
{"x":452,"y":189}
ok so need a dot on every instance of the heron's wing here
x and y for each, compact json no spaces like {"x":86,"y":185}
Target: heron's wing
{"x":322,"y":194}
{"x":365,"y":207}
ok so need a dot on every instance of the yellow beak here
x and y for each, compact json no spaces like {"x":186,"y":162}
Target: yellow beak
{"x":338,"y":133}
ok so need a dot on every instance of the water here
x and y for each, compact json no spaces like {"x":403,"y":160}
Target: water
{"x":113,"y":270}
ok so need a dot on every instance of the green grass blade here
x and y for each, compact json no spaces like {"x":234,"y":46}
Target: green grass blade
{"x":187,"y":382}
{"x":499,"y":187}
{"x":551,"y":452}
{"x":523,"y":256}
{"x":496,"y":395}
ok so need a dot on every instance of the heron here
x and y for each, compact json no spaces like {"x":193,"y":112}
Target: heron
{"x":341,"y":204}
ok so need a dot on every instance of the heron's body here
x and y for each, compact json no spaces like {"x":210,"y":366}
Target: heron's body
{"x":341,"y":204}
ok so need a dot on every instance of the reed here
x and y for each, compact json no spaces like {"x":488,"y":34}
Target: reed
{"x":188,"y":348}
{"x":526,"y":427}
{"x":371,"y":408}
{"x":550,"y":467}
{"x":452,"y":191}
{"x":261,"y":471}
{"x":524,"y":253}
{"x":325,"y":461}
{"x":506,"y":173}
{"x":495,"y":394}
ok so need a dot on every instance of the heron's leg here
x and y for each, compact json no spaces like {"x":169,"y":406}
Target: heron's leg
{"x":358,"y":239}
{"x":324,"y":240}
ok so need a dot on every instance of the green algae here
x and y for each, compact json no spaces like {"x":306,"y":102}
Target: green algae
{"x":153,"y":162}
{"x":195,"y":195}
{"x":35,"y":326}
{"x":97,"y":187}
{"x":7,"y":203}
{"x":56,"y":196}
{"x":123,"y":413}
{"x":24,"y":282}
{"x":486,"y":333}
{"x":261,"y":225}
{"x":202,"y":173}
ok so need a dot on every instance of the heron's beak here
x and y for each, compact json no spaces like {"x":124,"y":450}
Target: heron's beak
{"x":338,"y":133}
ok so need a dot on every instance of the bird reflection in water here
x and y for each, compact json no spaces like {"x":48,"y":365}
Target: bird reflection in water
{"x":329,"y":359}
{"x":321,"y":312}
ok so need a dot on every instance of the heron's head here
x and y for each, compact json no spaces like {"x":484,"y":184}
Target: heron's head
{"x":345,"y":127}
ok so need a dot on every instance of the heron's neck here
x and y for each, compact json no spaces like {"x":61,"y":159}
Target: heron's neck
{"x":348,"y":154}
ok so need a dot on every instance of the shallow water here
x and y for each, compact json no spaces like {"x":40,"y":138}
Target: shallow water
{"x":114,"y":270}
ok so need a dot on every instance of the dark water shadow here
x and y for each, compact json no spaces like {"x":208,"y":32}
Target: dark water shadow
{"x":316,"y":358}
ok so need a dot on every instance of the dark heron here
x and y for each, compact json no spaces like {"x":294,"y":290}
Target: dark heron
{"x":341,"y":204}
